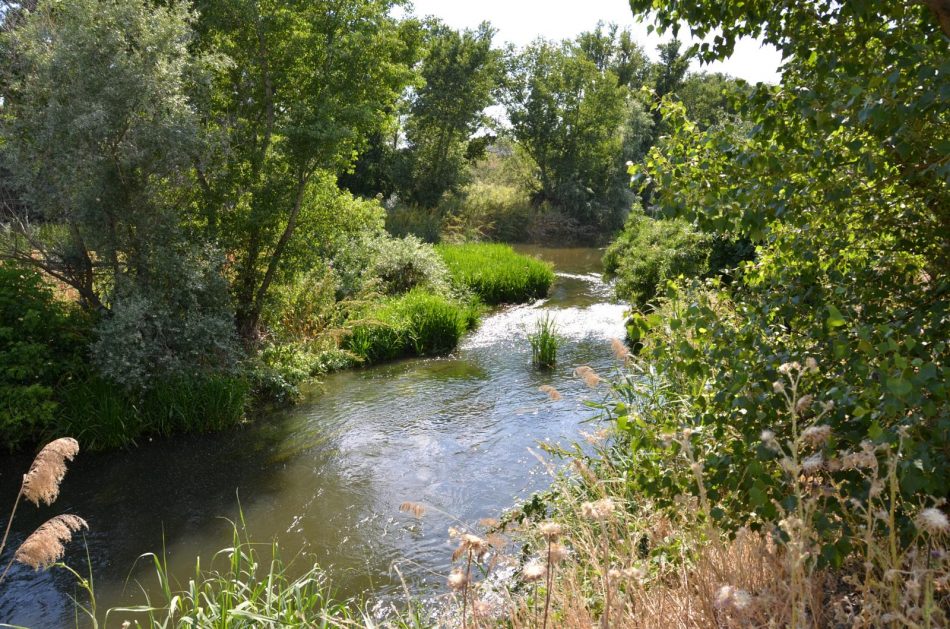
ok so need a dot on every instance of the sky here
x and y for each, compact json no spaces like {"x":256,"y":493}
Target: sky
{"x":521,"y":21}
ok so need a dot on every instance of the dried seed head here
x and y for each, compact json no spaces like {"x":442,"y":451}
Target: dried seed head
{"x":813,"y":463}
{"x":41,"y":482}
{"x":732,"y":598}
{"x":588,"y":375}
{"x":457,"y":580}
{"x":634,"y":573}
{"x":533,"y":571}
{"x":46,"y":545}
{"x":557,"y":553}
{"x":551,"y":392}
{"x":811,"y":365}
{"x":473,"y":544}
{"x":778,"y":386}
{"x":817,"y":436}
{"x":789,"y":466}
{"x":416,"y":509}
{"x":551,"y":531}
{"x":804,"y":403}
{"x":933,"y":521}
{"x":787,"y":368}
{"x":598,"y":510}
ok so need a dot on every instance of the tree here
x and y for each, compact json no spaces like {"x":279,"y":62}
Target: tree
{"x":569,"y":116}
{"x":459,"y":75}
{"x":306,"y":83}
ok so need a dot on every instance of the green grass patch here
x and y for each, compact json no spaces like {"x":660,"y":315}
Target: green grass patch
{"x":496,"y":273}
{"x":419,"y":323}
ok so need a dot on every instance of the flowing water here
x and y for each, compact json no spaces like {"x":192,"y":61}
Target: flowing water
{"x":328,"y":476}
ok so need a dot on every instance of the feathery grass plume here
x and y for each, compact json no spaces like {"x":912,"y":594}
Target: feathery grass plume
{"x":620,"y":349}
{"x":46,"y":545}
{"x":551,"y":391}
{"x":588,"y":375}
{"x":416,"y":509}
{"x":41,"y":482}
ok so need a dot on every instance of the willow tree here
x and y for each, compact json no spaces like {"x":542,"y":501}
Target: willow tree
{"x":304,"y":85}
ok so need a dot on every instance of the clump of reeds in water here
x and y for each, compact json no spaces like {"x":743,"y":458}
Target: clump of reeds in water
{"x":545,"y":342}
{"x":46,"y":545}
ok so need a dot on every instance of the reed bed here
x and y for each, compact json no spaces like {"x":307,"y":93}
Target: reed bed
{"x":545,"y":341}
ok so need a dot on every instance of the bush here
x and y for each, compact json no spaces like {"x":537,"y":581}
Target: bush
{"x":42,"y":349}
{"x":402,"y":264}
{"x":650,"y":251}
{"x":496,"y":273}
{"x":410,"y":220}
{"x":491,"y":211}
{"x":418,"y":323}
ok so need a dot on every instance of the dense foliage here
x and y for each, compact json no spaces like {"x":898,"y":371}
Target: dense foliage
{"x":843,"y":182}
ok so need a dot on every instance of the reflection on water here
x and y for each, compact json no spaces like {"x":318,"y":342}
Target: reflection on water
{"x":328,"y":476}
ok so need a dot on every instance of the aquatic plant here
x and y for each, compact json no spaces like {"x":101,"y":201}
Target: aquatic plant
{"x":496,"y":273}
{"x":545,"y":342}
{"x":40,"y":484}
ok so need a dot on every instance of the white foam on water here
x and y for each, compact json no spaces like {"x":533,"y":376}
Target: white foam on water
{"x":598,"y":321}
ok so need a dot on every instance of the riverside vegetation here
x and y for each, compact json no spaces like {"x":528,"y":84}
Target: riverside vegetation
{"x":775,"y":439}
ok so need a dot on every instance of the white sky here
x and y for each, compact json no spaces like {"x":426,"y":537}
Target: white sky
{"x":521,"y":21}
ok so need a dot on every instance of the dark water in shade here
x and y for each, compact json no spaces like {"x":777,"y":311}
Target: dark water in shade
{"x":328,"y":476}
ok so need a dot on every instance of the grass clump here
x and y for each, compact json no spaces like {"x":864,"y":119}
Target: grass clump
{"x":496,"y":273}
{"x":544,"y":343}
{"x":419,"y":323}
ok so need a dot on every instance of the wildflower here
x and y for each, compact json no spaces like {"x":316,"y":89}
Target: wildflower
{"x":599,"y":510}
{"x":804,"y":403}
{"x":457,"y":580}
{"x":933,"y":521}
{"x":816,"y":435}
{"x":46,"y":545}
{"x":551,"y":531}
{"x":787,"y":368}
{"x":533,"y":571}
{"x":778,"y":386}
{"x":812,"y":463}
{"x":811,"y":365}
{"x":557,"y":553}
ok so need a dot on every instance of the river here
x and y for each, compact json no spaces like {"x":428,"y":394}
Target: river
{"x":328,"y":476}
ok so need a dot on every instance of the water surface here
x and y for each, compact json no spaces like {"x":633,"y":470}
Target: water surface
{"x":328,"y":476}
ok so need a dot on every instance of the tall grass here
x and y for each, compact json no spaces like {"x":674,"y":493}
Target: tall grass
{"x":496,"y":273}
{"x":104,"y":416}
{"x":418,"y":323}
{"x":544,"y":343}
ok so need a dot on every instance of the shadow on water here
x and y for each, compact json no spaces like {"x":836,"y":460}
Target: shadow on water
{"x":327,"y":477}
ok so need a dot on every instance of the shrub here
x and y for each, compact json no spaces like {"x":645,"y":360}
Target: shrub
{"x":178,"y":323}
{"x":402,"y":264}
{"x":651,"y":251}
{"x":486,"y":210}
{"x":42,"y":348}
{"x":496,"y":273}
{"x":410,"y":220}
{"x":418,"y":323}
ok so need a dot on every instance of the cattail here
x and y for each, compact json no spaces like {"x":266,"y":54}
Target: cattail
{"x":45,"y":546}
{"x":933,"y":521}
{"x":533,"y":571}
{"x":551,"y":391}
{"x":551,"y":531}
{"x":620,"y":349}
{"x":41,"y":482}
{"x":416,"y":509}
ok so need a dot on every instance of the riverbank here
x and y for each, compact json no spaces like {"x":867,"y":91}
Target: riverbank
{"x":327,"y":476}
